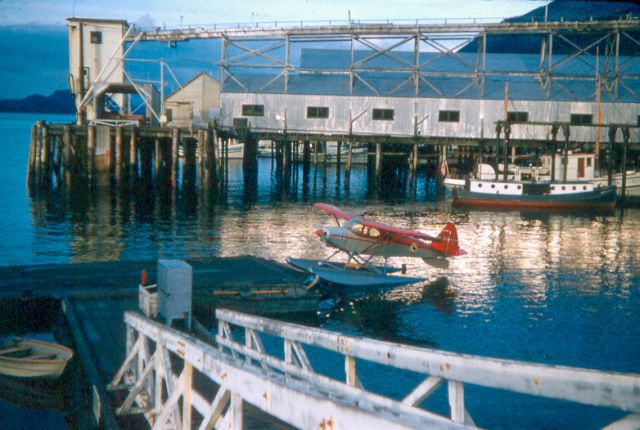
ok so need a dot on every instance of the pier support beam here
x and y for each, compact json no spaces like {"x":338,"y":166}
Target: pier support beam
{"x":610,"y":155}
{"x":497,"y":148}
{"x":33,"y":145}
{"x":119,"y":154}
{"x":133,"y":154}
{"x":566,"y":130}
{"x":66,"y":155}
{"x":554,"y":149}
{"x":505,"y":151}
{"x":623,"y":164}
{"x":175,"y":139}
{"x":378,"y":161}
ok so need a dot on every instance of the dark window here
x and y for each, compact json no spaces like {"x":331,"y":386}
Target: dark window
{"x":581,"y":118}
{"x":449,"y":116}
{"x":317,"y":112}
{"x":518,"y":116}
{"x":638,"y":119}
{"x":252,"y":110}
{"x":383,"y":114}
{"x":96,"y":37}
{"x":588,"y":162}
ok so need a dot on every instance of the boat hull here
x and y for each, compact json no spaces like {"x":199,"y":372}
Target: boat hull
{"x":599,"y":198}
{"x":32,"y":367}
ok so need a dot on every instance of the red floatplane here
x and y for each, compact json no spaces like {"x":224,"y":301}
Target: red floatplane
{"x":362,"y":239}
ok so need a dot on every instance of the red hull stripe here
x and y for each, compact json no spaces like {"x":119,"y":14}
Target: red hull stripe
{"x":517,"y":204}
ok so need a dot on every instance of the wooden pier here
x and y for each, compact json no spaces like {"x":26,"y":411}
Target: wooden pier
{"x":95,"y":297}
{"x":272,"y":379}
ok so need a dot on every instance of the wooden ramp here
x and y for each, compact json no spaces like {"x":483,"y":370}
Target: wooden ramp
{"x":157,"y":376}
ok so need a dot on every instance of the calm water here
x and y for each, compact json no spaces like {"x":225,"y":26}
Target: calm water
{"x":544,"y":287}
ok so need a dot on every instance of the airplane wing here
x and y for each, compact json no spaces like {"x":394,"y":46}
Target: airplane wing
{"x":339,"y":213}
{"x":335,"y":211}
{"x":399,"y":231}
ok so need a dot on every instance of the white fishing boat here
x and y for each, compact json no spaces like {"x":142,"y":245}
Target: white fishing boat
{"x":30,"y":358}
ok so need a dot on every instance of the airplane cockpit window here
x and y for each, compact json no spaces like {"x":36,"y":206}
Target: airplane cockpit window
{"x":374,"y":232}
{"x":364,"y":230}
{"x":357,"y":228}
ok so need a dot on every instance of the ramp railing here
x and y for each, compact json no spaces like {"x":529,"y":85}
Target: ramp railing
{"x":280,"y":379}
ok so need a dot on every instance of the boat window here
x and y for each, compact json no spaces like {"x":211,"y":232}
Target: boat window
{"x":584,"y":187}
{"x":553,"y":188}
{"x":506,"y":186}
{"x":564,"y":188}
{"x":479,"y":185}
{"x":519,"y":187}
{"x":574,"y":187}
{"x":493,"y":185}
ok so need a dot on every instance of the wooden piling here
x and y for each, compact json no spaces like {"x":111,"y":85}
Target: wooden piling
{"x":133,"y":153}
{"x":554,"y":149}
{"x":91,"y":151}
{"x":625,"y":140}
{"x":175,"y":139}
{"x":213,"y":158}
{"x":505,"y":151}
{"x":610,"y":158}
{"x":157,"y":160}
{"x":378,"y":165}
{"x":199,"y":158}
{"x":46,"y":156}
{"x":31,"y":166}
{"x":188,"y":176}
{"x":565,"y":151}
{"x":119,"y":154}
{"x":56,"y":144}
{"x":66,"y":155}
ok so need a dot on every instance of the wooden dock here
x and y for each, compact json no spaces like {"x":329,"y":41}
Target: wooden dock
{"x":95,"y":297}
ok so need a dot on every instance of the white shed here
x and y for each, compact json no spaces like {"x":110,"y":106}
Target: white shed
{"x":196,"y":104}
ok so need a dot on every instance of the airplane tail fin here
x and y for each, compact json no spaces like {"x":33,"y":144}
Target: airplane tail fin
{"x":448,"y":243}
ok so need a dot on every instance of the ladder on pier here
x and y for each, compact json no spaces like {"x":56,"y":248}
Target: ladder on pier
{"x":264,"y":362}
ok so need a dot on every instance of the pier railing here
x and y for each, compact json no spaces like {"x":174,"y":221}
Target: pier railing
{"x":246,"y":371}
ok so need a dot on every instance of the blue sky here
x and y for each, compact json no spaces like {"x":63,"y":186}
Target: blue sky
{"x":192,"y":12}
{"x":33,"y":41}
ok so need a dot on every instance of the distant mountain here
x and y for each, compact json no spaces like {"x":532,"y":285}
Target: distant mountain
{"x":564,"y":10}
{"x":61,"y":101}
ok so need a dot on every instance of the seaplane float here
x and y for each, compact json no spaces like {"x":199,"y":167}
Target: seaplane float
{"x":362,"y":239}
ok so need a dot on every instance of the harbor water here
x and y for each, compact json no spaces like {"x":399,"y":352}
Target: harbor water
{"x":547,"y":287}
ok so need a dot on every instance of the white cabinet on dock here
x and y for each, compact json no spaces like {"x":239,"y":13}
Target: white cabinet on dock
{"x":174,"y":290}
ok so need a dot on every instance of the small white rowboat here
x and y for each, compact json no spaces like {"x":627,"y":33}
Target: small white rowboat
{"x":29,"y":358}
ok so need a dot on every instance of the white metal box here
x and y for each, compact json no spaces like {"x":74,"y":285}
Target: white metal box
{"x":174,"y":290}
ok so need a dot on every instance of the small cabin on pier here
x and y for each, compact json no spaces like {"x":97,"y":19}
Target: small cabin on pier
{"x":196,"y":104}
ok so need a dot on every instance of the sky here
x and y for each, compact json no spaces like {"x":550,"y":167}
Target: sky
{"x":33,"y":41}
{"x":197,"y":12}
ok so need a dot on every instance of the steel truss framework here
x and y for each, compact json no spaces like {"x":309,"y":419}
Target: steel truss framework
{"x":162,"y":388}
{"x":260,"y":48}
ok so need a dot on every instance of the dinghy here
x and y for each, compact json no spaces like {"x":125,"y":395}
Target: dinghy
{"x":30,"y":358}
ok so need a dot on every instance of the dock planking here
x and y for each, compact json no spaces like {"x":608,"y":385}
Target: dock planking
{"x":96,"y":295}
